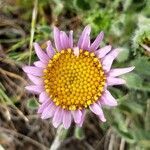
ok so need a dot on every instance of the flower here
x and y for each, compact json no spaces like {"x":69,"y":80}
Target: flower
{"x":71,"y":79}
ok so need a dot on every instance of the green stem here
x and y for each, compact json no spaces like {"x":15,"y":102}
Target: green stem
{"x":60,"y":136}
{"x":33,"y":23}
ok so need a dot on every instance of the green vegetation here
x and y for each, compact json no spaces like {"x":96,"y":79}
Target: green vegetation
{"x":126,"y":24}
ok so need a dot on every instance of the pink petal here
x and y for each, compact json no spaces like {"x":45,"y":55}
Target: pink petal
{"x":108,"y":59}
{"x":58,"y":116}
{"x":33,"y":70}
{"x":107,"y":99}
{"x":71,"y":39}
{"x":43,"y":97}
{"x":56,"y":33}
{"x":120,"y":71}
{"x":97,"y":41}
{"x":85,"y":33}
{"x":35,"y":80}
{"x":43,"y":106}
{"x":49,"y":111}
{"x":82,"y":118}
{"x":40,"y":64}
{"x":50,"y":50}
{"x":67,"y":119}
{"x":115,"y":81}
{"x":40,"y":53}
{"x":85,"y":43}
{"x":77,"y":114}
{"x":64,"y":40}
{"x":96,"y":108}
{"x":37,"y":89}
{"x":102,"y":117}
{"x":103,"y":51}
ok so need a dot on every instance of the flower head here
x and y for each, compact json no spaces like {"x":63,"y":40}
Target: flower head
{"x":72,"y":78}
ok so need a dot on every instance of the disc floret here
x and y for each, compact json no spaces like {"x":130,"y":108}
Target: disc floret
{"x":74,"y":82}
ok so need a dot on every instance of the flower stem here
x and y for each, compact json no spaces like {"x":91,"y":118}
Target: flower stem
{"x":60,"y":136}
{"x":33,"y":23}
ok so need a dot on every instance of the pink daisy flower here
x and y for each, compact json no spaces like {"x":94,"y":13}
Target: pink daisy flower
{"x":72,"y":78}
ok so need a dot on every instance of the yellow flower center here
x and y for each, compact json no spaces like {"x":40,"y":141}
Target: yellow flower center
{"x":74,"y":82}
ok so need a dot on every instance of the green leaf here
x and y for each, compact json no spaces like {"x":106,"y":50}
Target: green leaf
{"x":4,"y":98}
{"x":44,"y":29}
{"x":120,"y":121}
{"x":142,"y":137}
{"x":142,"y":65}
{"x":131,"y":107}
{"x":79,"y":134}
{"x":126,"y":135}
{"x":32,"y":103}
{"x":144,"y":143}
{"x":133,"y":80}
{"x":123,"y":55}
{"x":82,"y":4}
